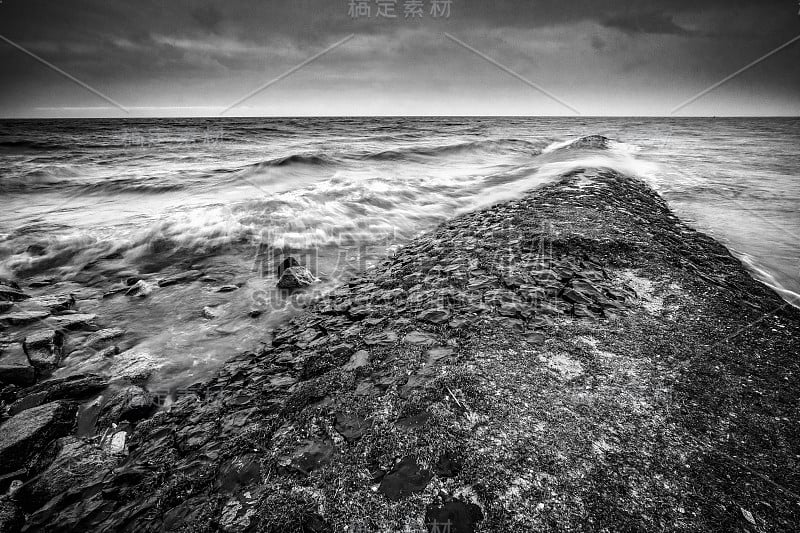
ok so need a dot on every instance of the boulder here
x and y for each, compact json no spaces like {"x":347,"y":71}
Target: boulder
{"x":20,"y":318}
{"x":55,"y":304}
{"x":15,"y":366}
{"x":404,"y":479}
{"x":77,"y":387}
{"x":141,"y":288}
{"x":10,"y":291}
{"x":76,"y":462}
{"x":73,"y":321}
{"x":295,"y":278}
{"x":130,"y":404}
{"x":25,"y":436}
{"x":44,"y":349}
{"x":289,"y":262}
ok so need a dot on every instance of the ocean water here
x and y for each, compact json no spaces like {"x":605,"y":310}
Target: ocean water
{"x":91,"y":202}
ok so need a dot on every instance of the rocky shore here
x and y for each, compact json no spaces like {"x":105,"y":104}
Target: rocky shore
{"x":574,"y":360}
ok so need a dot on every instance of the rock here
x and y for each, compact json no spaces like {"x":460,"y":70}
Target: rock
{"x":404,"y":479}
{"x":11,"y":516}
{"x":210,"y":312}
{"x":135,"y":365}
{"x":15,"y":366}
{"x":55,"y":304}
{"x":141,"y":288}
{"x":183,"y":277}
{"x":77,"y":387}
{"x":10,"y":291}
{"x":289,"y":262}
{"x":435,"y":316}
{"x":420,"y":338}
{"x":255,"y":313}
{"x":130,"y":404}
{"x":383,"y":337}
{"x":99,"y":337}
{"x":228,"y":288}
{"x":588,"y":142}
{"x":349,"y":426}
{"x":575,"y":296}
{"x":296,"y":277}
{"x":357,"y":360}
{"x":44,"y":349}
{"x":74,"y":321}
{"x":455,"y":515}
{"x":5,"y":306}
{"x":115,"y":443}
{"x":311,"y":456}
{"x":24,"y":436}
{"x":76,"y":462}
{"x":20,"y":318}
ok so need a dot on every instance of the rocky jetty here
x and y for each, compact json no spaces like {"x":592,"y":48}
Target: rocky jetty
{"x":577,"y":359}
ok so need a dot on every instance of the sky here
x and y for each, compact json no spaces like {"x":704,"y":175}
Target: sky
{"x":548,"y":57}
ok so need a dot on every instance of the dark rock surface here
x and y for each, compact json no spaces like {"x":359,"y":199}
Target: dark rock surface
{"x":296,"y":277}
{"x":576,"y":359}
{"x":44,"y":349}
{"x":24,"y":436}
{"x":130,"y":404}
{"x":75,"y":387}
{"x":15,"y":366}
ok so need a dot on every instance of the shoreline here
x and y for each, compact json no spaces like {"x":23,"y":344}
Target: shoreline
{"x":609,"y":394}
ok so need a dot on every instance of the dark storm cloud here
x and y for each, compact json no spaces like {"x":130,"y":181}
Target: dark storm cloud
{"x":646,"y":23}
{"x":152,"y":47}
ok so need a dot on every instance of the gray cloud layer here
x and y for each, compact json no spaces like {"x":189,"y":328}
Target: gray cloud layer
{"x":202,"y":53}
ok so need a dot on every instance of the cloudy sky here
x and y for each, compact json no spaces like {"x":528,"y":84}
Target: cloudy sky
{"x":197,"y":57}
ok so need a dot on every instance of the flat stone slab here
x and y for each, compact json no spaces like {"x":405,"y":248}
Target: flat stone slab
{"x":25,"y":435}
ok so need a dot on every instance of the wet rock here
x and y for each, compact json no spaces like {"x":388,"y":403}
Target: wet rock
{"x":76,"y":462}
{"x":11,"y":516}
{"x":435,"y":316}
{"x":357,"y":360}
{"x":210,"y":313}
{"x":239,"y":471}
{"x":341,"y":349}
{"x":228,"y":288}
{"x":454,"y":515}
{"x":287,"y":263}
{"x":11,"y":292}
{"x":383,"y":337}
{"x":130,"y":404}
{"x":349,"y":426}
{"x":77,"y":387}
{"x":15,"y":366}
{"x":311,"y":456}
{"x":44,"y":349}
{"x":74,"y":321}
{"x":183,"y":277}
{"x":55,"y":304}
{"x":295,"y":278}
{"x":135,"y":365}
{"x":115,"y":443}
{"x":589,"y":142}
{"x":420,"y":338}
{"x":575,"y":296}
{"x":404,"y":479}
{"x":98,"y":338}
{"x":24,"y":436}
{"x":21,"y":318}
{"x":141,"y":288}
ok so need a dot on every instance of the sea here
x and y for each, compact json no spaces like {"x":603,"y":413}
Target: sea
{"x":92,"y":203}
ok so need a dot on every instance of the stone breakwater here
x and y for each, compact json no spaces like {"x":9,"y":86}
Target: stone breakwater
{"x":577,"y":359}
